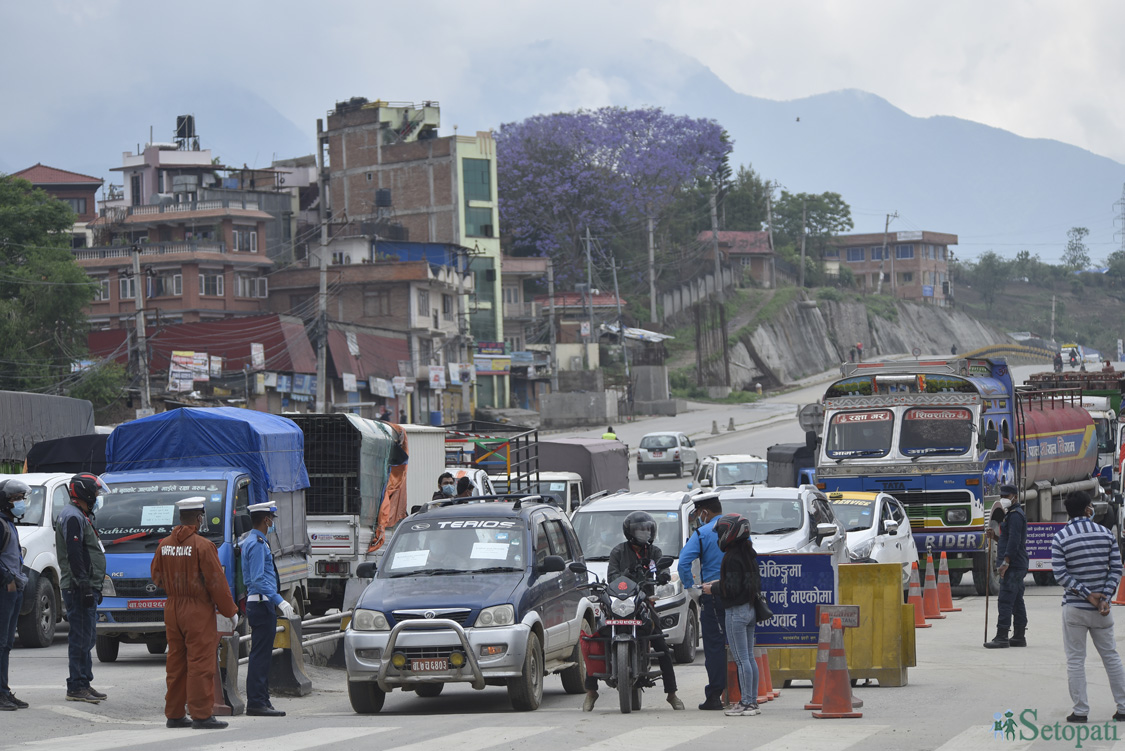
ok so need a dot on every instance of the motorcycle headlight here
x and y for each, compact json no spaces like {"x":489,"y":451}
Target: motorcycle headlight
{"x":862,"y":549}
{"x":369,"y":620}
{"x":621,"y":607}
{"x":108,"y":590}
{"x":497,"y":615}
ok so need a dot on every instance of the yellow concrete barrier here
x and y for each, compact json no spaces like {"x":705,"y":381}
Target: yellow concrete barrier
{"x":882,"y":647}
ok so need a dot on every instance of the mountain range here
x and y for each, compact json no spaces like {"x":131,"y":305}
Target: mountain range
{"x":994,"y":189}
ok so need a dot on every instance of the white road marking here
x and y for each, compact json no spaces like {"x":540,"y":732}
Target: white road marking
{"x":93,"y":716}
{"x":652,"y":738}
{"x":980,"y":738}
{"x":476,"y":739}
{"x":822,"y":735}
{"x":103,"y":740}
{"x":298,"y":741}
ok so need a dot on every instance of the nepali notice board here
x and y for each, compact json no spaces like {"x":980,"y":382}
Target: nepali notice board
{"x":794,"y":585}
{"x":1039,"y":537}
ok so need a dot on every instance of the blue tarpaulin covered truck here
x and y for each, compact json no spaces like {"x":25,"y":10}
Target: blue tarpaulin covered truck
{"x":231,"y":457}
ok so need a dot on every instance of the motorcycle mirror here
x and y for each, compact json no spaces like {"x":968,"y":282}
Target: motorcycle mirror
{"x":665,"y":561}
{"x":578,"y":567}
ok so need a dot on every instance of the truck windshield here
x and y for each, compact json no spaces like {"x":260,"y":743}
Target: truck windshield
{"x":936,"y":431}
{"x":599,"y":532}
{"x":438,"y":548}
{"x":741,"y":473}
{"x":138,"y":514}
{"x":864,"y":433}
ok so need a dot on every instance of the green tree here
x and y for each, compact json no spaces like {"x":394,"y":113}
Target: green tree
{"x":43,"y":290}
{"x":989,"y":275}
{"x":1077,"y":255}
{"x":102,"y":385}
{"x":743,"y":207}
{"x":825,"y":216}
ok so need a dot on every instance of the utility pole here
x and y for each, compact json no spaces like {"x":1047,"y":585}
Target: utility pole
{"x":769,"y":221}
{"x":883,"y":258}
{"x":1052,"y":318}
{"x":322,"y":297}
{"x":589,"y":297}
{"x":651,"y":271}
{"x":621,"y":327}
{"x":554,"y":336}
{"x":142,"y":342}
{"x":804,"y":213}
{"x":715,"y":245}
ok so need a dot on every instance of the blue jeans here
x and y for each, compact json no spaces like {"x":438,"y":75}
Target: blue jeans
{"x":1009,"y":602}
{"x":740,"y":637}
{"x":81,"y":640}
{"x":9,"y":614}
{"x":263,"y":629}
{"x":714,"y":646}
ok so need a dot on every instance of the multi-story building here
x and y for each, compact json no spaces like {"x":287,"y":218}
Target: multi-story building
{"x":523,"y":322}
{"x":404,"y":288}
{"x":391,"y":175}
{"x":914,"y":265}
{"x":79,"y":191}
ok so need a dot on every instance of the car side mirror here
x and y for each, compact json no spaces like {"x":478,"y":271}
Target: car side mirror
{"x":578,"y":567}
{"x":992,"y":439}
{"x":891,"y":526}
{"x":365,"y":570}
{"x":242,"y":524}
{"x":825,"y":529}
{"x":704,"y":483}
{"x":551,"y":564}
{"x":665,"y":561}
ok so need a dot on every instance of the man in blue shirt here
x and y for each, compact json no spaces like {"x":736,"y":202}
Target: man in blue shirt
{"x":703,"y":546}
{"x":1087,"y":564}
{"x":262,"y":584}
{"x":1012,"y":554}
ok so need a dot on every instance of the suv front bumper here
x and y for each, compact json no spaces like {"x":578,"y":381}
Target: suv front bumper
{"x":673,"y":613}
{"x":368,"y":654}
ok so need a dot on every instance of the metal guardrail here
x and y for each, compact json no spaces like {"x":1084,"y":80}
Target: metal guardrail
{"x":306,"y":641}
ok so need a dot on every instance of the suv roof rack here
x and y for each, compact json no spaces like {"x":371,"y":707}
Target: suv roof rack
{"x":516,"y":499}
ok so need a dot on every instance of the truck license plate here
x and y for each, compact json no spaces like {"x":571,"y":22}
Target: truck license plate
{"x":426,"y":666}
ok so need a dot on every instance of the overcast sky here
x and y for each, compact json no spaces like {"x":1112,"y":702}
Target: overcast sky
{"x":1038,"y":69}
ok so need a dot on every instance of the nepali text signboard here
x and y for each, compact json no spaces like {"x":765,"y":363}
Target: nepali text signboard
{"x":795,"y":585}
{"x":1039,"y":537}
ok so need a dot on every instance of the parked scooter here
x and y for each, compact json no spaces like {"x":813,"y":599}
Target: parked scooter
{"x":620,"y":654}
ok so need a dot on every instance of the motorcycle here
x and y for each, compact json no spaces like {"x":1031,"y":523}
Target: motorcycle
{"x":620,"y":648}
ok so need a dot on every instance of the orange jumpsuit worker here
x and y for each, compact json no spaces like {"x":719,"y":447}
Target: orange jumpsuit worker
{"x":187,"y":566}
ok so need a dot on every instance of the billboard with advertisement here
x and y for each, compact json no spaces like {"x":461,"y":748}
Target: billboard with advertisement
{"x":437,"y":377}
{"x":490,"y":348}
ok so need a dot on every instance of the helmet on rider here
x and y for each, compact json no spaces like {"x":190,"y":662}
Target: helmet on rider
{"x":86,"y":487}
{"x":639,"y":528}
{"x":13,"y":490}
{"x":731,"y":528}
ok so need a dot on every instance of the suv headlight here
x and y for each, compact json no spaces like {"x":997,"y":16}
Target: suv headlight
{"x":497,"y":615}
{"x":369,"y":620}
{"x":108,"y":590}
{"x":671,"y":589}
{"x":862,"y":549}
{"x":621,"y":607}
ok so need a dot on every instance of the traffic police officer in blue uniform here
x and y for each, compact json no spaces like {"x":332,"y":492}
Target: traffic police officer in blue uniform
{"x":262,"y":584}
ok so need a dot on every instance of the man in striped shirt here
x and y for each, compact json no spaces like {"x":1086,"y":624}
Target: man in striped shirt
{"x":1087,"y":563}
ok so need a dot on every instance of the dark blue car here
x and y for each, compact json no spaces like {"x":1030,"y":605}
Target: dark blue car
{"x":476,"y":591}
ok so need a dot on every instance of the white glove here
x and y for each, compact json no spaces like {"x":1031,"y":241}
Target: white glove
{"x":287,"y":609}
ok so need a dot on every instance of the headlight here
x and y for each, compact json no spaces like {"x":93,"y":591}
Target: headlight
{"x":23,"y":552}
{"x":369,"y":620}
{"x":497,"y":615}
{"x":862,"y":549}
{"x":108,"y":590}
{"x":957,"y":516}
{"x":621,"y":607}
{"x":671,"y":589}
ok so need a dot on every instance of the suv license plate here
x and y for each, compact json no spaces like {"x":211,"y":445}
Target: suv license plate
{"x":658,"y":453}
{"x":624,"y":622}
{"x":425,"y":666}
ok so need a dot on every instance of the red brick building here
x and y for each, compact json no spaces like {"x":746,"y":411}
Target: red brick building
{"x":79,"y":191}
{"x":915,"y":265}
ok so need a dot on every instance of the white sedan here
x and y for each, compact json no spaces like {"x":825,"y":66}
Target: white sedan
{"x":878,"y":529}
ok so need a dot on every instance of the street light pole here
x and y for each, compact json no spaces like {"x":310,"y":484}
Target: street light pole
{"x":142,"y":342}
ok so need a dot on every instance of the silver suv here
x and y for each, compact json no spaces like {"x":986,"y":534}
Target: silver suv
{"x":597,"y":524}
{"x":731,"y":469}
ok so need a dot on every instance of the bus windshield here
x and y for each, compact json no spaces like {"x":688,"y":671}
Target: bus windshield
{"x":857,"y":434}
{"x":936,"y":431}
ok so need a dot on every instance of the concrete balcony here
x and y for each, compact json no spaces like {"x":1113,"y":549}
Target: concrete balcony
{"x":522,"y":311}
{"x":185,"y":247}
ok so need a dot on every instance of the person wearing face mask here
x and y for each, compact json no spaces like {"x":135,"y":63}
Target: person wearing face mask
{"x":186,"y":565}
{"x":447,"y":487}
{"x":1011,"y":551}
{"x":262,"y":585}
{"x":13,"y":504}
{"x":81,"y":574}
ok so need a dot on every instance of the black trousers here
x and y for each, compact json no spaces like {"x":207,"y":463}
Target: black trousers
{"x":263,"y":629}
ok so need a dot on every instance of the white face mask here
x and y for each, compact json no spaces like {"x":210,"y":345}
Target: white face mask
{"x":1005,"y":503}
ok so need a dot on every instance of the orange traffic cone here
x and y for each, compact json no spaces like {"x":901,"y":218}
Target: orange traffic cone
{"x":944,"y":590}
{"x":930,"y":605}
{"x":1119,"y":598}
{"x":837,"y":683}
{"x":824,"y":645}
{"x":915,"y":598}
{"x":764,"y":691}
{"x":734,"y":695}
{"x":764,"y":667}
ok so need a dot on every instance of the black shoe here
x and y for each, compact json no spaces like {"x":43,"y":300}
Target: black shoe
{"x":1078,"y":718}
{"x":178,"y":722}
{"x":20,"y":704}
{"x":6,"y":705}
{"x":713,"y":702}
{"x":1017,"y":641}
{"x":1119,"y":716}
{"x":209,"y":724}
{"x":1000,"y":641}
{"x":82,"y":694}
{"x":264,"y":712}
{"x":96,"y":694}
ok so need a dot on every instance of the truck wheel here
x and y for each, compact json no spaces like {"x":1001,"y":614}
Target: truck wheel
{"x":526,"y":692}
{"x":1044,"y":578}
{"x":366,"y":697}
{"x":429,"y":690}
{"x":107,"y":648}
{"x":37,"y":628}
{"x":157,"y":646}
{"x":980,"y":566}
{"x":318,"y":608}
{"x":685,"y":651}
{"x":574,"y":679}
{"x":955,"y":576}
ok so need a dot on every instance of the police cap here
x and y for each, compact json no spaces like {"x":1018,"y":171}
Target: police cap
{"x":195,"y":503}
{"x":269,"y":507}
{"x":1006,"y":490}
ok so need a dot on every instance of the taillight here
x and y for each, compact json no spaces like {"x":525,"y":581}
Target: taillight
{"x":676,"y":455}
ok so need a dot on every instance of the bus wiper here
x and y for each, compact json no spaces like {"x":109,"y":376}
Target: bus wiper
{"x":915,"y":453}
{"x":858,"y":452}
{"x":136,"y":536}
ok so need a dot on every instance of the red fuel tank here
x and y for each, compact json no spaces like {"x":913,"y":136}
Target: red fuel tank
{"x":1058,"y":442}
